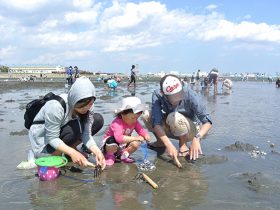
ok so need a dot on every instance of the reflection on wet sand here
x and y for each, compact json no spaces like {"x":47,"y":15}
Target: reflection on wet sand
{"x":259,"y":182}
{"x":180,"y":188}
{"x":60,"y":192}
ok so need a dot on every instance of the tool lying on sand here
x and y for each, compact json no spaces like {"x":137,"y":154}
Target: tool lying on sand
{"x":147,"y":179}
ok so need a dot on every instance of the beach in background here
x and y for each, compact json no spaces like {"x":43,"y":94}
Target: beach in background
{"x":240,"y":168}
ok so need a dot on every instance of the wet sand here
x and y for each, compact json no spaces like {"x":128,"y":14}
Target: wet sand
{"x":239,"y":169}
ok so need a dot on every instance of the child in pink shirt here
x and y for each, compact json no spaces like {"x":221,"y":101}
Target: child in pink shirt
{"x":118,"y":141}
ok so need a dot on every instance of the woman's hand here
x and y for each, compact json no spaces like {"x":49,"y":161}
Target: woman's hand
{"x":78,"y":158}
{"x":99,"y":157}
{"x":195,"y":149}
{"x":100,"y":160}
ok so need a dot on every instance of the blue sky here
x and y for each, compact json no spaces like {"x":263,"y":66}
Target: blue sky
{"x":169,"y":35}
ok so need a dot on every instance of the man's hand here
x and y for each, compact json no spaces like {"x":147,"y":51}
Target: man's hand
{"x":173,"y":153}
{"x":171,"y":150}
{"x":195,"y":149}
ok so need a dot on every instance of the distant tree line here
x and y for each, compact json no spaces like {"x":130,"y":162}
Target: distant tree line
{"x":4,"y":69}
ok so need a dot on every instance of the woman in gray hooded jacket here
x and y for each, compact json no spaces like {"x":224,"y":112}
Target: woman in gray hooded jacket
{"x":62,"y":132}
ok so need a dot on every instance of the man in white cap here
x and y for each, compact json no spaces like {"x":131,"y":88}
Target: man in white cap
{"x":175,"y":108}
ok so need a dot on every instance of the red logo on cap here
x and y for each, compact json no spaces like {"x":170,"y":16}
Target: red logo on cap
{"x":169,"y":89}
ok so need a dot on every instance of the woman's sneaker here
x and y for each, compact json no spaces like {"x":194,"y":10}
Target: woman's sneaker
{"x":110,"y":159}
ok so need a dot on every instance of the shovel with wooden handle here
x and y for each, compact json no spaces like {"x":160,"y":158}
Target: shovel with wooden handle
{"x":150,"y":181}
{"x":147,"y":179}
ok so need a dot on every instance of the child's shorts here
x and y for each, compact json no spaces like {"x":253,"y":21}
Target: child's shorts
{"x":110,"y":141}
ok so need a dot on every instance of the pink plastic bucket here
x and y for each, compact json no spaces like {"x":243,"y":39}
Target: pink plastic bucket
{"x":48,"y":167}
{"x":47,"y":173}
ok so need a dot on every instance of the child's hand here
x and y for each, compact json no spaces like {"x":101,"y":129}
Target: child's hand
{"x":140,"y":138}
{"x":148,"y":137}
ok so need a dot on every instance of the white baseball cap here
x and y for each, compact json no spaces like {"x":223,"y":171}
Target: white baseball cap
{"x":172,"y":88}
{"x":133,"y":103}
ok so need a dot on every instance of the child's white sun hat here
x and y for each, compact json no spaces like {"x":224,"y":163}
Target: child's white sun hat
{"x":133,"y":103}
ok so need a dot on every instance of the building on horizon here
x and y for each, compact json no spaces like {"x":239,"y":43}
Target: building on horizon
{"x":37,"y":69}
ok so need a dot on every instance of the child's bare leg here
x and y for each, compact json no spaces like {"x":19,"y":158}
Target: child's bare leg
{"x":133,"y":146}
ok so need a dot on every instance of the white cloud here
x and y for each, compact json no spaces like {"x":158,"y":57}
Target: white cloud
{"x":86,"y":15}
{"x":81,"y":17}
{"x":7,"y":52}
{"x":57,"y":38}
{"x":220,"y":28}
{"x":9,"y":30}
{"x":211,"y":7}
{"x":248,"y":16}
{"x":124,"y":26}
{"x":25,"y":5}
{"x":259,"y":47}
{"x":48,"y":25}
{"x":85,"y":26}
{"x":62,"y":40}
{"x":83,"y":3}
{"x":127,"y":42}
{"x":64,"y":56}
{"x":130,"y":15}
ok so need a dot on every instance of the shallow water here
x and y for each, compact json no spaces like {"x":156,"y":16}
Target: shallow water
{"x":221,"y":179}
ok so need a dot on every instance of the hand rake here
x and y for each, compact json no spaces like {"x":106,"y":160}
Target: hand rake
{"x":97,"y":169}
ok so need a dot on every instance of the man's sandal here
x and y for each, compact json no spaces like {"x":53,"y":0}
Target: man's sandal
{"x":184,"y":153}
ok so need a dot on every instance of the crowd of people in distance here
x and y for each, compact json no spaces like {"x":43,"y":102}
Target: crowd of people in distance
{"x":72,"y":74}
{"x":206,"y":81}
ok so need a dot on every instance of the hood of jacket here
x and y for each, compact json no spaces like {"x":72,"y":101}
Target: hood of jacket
{"x":82,"y":88}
